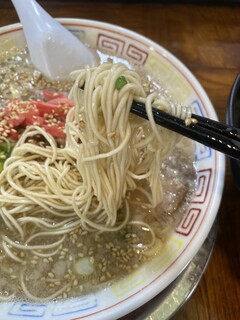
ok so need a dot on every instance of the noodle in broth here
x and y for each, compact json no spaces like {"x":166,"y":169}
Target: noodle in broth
{"x":52,"y":197}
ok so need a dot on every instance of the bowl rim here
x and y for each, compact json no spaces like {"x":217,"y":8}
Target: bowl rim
{"x":216,"y":196}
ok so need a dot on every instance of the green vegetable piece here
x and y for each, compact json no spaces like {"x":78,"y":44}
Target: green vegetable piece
{"x":5,"y":152}
{"x":6,"y":148}
{"x":120,"y":82}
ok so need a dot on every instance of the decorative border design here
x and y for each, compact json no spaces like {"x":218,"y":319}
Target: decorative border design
{"x":181,"y":88}
{"x":126,"y":285}
{"x":197,"y":109}
{"x":203,"y":182}
{"x":159,"y":68}
{"x":204,"y":177}
{"x":110,"y":43}
{"x":136,"y":54}
{"x":79,"y":305}
{"x":34,"y":310}
{"x":170,"y":249}
{"x":202,"y":152}
{"x":120,"y":47}
{"x":187,"y":224}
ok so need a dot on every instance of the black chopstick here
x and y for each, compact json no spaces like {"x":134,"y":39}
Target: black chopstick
{"x":211,"y":133}
{"x":219,"y":127}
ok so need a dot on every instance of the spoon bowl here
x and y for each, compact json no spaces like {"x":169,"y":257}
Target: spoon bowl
{"x":53,"y":49}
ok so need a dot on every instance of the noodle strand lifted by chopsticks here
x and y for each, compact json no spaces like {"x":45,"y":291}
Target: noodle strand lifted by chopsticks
{"x":103,"y":157}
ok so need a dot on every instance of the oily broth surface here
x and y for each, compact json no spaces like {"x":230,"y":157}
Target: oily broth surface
{"x":20,"y":80}
{"x":86,"y":260}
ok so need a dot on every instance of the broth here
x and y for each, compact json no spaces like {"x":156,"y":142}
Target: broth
{"x":86,"y":261}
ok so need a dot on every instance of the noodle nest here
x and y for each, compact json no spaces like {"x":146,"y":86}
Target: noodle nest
{"x":48,"y":191}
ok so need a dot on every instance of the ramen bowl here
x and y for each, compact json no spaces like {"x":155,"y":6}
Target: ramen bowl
{"x":132,"y":291}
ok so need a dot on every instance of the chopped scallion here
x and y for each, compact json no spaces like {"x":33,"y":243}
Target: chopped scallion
{"x":120,"y":82}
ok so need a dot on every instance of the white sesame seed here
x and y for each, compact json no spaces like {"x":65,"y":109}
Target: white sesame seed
{"x":51,"y":275}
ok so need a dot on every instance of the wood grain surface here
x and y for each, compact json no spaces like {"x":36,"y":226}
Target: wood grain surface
{"x":206,"y":38}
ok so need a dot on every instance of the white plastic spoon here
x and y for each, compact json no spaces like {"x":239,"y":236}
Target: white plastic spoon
{"x":53,"y":49}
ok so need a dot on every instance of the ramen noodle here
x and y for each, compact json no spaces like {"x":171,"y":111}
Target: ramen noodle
{"x":80,"y":214}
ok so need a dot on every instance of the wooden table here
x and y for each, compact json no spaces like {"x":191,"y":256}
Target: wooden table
{"x":207,"y":40}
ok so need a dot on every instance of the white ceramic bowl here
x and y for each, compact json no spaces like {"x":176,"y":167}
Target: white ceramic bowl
{"x":138,"y":288}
